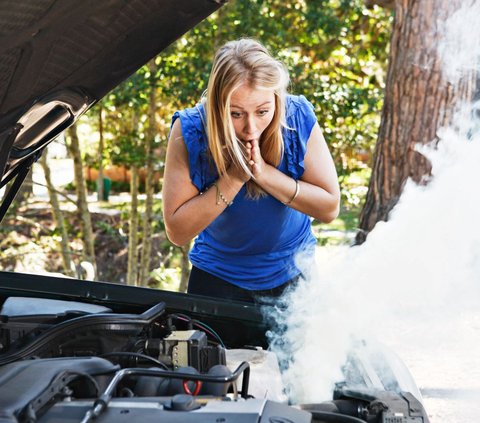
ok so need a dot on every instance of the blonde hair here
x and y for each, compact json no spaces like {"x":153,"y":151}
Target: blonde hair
{"x":238,"y":62}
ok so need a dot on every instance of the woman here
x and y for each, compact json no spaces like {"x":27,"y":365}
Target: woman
{"x":244,"y":170}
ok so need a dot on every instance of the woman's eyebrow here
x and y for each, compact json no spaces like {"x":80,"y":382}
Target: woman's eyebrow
{"x":260,"y":105}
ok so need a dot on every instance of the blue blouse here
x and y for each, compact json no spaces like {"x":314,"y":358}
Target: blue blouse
{"x":252,"y":243}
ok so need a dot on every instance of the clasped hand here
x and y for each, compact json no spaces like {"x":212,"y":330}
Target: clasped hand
{"x":253,"y":160}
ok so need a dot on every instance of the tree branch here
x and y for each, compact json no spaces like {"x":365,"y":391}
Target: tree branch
{"x":387,"y":4}
{"x":62,"y":194}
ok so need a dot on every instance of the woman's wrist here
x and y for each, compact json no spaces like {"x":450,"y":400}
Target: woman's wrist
{"x":263,"y":179}
{"x":226,"y":188}
{"x":220,"y":197}
{"x":295,"y":194}
{"x":237,"y":176}
{"x":281,"y":186}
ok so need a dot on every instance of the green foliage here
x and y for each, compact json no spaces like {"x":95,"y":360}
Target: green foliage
{"x":354,"y":188}
{"x":124,"y":121}
{"x":335,"y":50}
{"x":107,"y":228}
{"x":343,"y":229}
{"x":164,"y":278}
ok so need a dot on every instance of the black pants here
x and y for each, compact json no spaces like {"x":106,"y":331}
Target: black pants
{"x":204,"y":283}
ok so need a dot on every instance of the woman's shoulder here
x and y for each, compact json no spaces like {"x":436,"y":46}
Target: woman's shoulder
{"x":300,"y":113}
{"x":192,"y":117}
{"x":296,"y":104}
{"x":195,"y":137}
{"x":300,"y":120}
{"x":193,"y":126}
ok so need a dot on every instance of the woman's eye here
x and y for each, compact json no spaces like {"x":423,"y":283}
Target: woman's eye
{"x":263,"y":112}
{"x":236,"y":115}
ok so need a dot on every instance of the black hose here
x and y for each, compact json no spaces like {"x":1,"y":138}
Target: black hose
{"x":101,"y":403}
{"x":326,"y":416}
{"x":137,"y":355}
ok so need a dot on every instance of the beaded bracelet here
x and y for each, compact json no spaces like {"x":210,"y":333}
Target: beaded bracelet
{"x":220,"y":196}
{"x":297,"y":191}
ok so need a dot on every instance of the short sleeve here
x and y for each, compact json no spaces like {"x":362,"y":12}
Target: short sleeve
{"x":300,"y":117}
{"x":196,"y":142}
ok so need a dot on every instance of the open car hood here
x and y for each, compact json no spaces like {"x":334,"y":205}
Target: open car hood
{"x":59,"y":57}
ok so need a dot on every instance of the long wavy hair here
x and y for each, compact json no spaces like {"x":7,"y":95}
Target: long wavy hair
{"x":236,"y":63}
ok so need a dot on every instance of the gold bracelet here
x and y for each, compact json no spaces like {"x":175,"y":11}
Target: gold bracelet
{"x":297,"y":191}
{"x":221,"y":197}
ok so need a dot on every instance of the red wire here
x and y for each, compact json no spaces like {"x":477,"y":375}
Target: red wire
{"x":198,"y":386}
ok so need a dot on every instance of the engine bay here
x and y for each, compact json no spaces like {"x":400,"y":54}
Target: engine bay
{"x":79,"y":362}
{"x":75,"y":351}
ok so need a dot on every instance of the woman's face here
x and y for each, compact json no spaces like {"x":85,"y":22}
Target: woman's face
{"x":251,"y":110}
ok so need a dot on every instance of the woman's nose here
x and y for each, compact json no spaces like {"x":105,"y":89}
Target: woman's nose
{"x":250,"y":126}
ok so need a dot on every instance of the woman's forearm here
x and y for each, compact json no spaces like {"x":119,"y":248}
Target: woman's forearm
{"x":195,"y":214}
{"x":313,"y":200}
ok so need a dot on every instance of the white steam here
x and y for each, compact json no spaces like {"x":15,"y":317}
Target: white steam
{"x":459,"y":45}
{"x":419,"y":269}
{"x":424,"y":262}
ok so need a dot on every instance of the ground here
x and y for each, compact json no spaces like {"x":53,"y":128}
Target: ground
{"x":30,"y":242}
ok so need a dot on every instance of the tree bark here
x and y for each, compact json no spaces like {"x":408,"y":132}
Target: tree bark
{"x":387,"y":4}
{"x":59,"y":219}
{"x":26,"y":190}
{"x":418,"y":101}
{"x":132,"y":269}
{"x":82,"y":203}
{"x":149,"y":181}
{"x":185,"y":268}
{"x":100,"y":187}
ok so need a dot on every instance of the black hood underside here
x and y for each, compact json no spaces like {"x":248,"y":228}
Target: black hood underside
{"x":58,"y":57}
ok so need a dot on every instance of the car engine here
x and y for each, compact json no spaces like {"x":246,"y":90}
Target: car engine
{"x":67,"y":361}
{"x":80,"y":362}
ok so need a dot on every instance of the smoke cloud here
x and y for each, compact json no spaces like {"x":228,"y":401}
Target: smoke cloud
{"x":459,"y":45}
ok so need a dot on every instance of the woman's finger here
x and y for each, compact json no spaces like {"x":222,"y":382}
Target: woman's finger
{"x":248,"y":149}
{"x":255,"y":148}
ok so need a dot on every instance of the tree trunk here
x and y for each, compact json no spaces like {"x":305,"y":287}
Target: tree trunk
{"x":149,"y":181}
{"x":132,"y":271}
{"x":185,"y":268}
{"x":418,"y":101}
{"x":387,"y":4}
{"x":100,"y":186}
{"x":26,"y":190}
{"x":82,"y":203}
{"x":59,"y":220}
